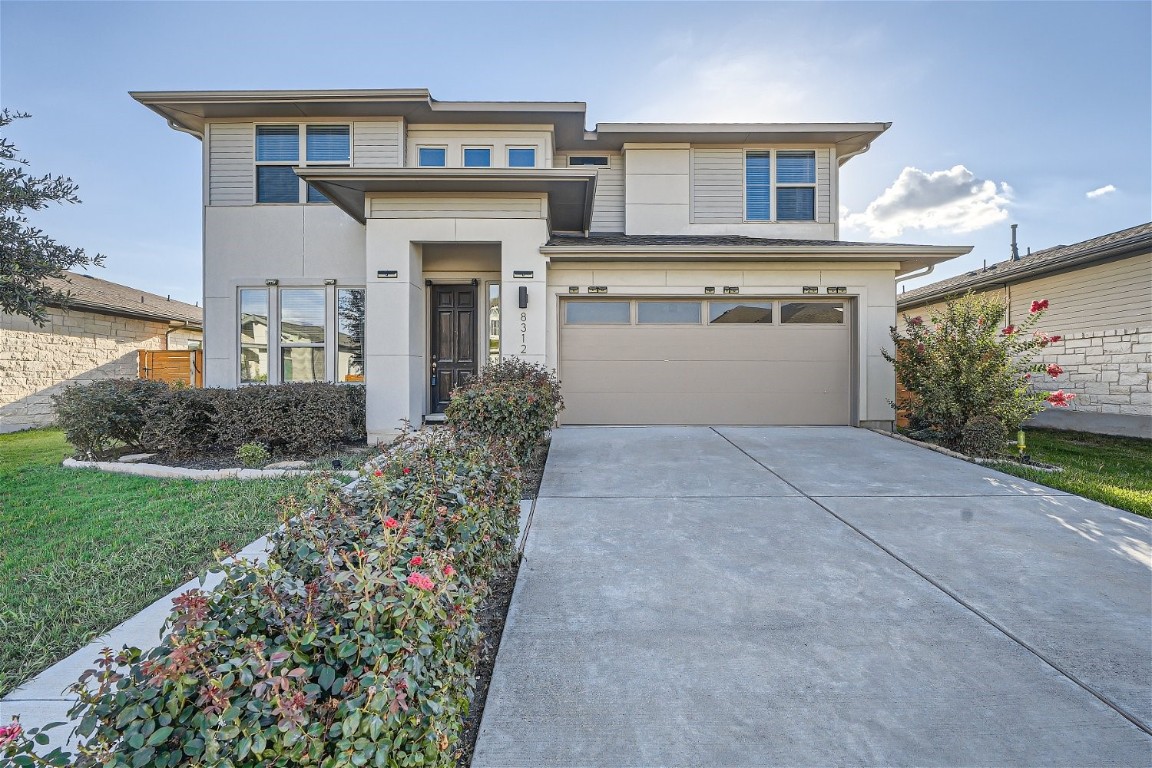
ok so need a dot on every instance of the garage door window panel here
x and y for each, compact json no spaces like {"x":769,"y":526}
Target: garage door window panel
{"x":744,"y":313}
{"x":598,"y":313}
{"x":668,"y":313}
{"x":812,"y":313}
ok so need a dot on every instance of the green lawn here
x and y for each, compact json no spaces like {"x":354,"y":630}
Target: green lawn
{"x":82,"y":550}
{"x":1112,"y":470}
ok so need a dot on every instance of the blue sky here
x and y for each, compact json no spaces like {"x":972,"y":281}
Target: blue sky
{"x":1002,"y":112}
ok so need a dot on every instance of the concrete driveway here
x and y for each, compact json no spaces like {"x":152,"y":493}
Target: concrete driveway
{"x":817,"y":596}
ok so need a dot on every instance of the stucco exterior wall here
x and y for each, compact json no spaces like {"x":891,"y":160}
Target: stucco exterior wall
{"x":75,"y":347}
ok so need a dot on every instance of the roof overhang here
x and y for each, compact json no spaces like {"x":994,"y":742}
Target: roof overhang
{"x":569,"y":191}
{"x":191,"y":110}
{"x":909,"y":258}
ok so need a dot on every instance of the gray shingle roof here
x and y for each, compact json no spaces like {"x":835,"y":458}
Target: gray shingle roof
{"x":1135,"y":239}
{"x":96,"y":295}
{"x":603,"y":239}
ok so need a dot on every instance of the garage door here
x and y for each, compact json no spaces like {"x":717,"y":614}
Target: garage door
{"x":747,"y":361}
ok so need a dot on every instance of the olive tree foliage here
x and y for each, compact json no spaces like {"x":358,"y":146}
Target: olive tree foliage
{"x":27,"y":256}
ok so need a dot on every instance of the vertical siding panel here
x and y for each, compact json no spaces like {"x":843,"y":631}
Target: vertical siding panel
{"x":376,"y":144}
{"x":718,"y":186}
{"x":608,"y":204}
{"x":231,"y":164}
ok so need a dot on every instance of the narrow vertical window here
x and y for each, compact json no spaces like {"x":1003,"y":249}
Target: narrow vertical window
{"x":758,"y":186}
{"x":795,"y":186}
{"x":301,"y":334}
{"x":522,"y":157}
{"x":494,"y":322}
{"x":277,"y":150}
{"x":350,"y":334}
{"x":326,"y":145}
{"x":253,"y":336}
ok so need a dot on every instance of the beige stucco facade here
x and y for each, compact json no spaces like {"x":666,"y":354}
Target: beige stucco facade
{"x":73,"y":347}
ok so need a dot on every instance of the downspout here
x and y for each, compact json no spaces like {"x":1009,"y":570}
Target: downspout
{"x":926,"y":271}
{"x":172,"y":328}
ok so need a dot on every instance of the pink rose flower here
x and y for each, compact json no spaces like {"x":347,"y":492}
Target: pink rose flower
{"x":416,"y":560}
{"x":420,"y":581}
{"x":390,"y":522}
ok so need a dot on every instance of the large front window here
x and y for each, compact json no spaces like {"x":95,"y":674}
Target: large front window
{"x":790,"y":174}
{"x":301,"y":334}
{"x":279,"y":149}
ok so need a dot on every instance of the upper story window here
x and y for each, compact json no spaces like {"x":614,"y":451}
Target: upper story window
{"x":795,"y":185}
{"x":522,"y":157}
{"x":279,"y":149}
{"x":477,"y":157}
{"x":431,"y":157}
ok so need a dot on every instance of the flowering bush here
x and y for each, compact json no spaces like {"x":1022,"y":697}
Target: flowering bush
{"x":512,"y":400}
{"x":963,"y":364}
{"x":353,"y":644}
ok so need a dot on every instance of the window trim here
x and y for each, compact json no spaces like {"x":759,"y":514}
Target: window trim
{"x":442,"y":147}
{"x":301,"y":160}
{"x":508,"y":155}
{"x":465,"y":148}
{"x":774,"y":185}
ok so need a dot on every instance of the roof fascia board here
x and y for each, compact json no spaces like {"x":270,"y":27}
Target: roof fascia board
{"x":941,"y":252}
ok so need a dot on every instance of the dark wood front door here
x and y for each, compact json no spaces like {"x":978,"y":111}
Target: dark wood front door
{"x":453,"y":342}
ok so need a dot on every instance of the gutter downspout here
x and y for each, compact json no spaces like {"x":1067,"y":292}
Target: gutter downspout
{"x":171,"y":328}
{"x":926,"y":271}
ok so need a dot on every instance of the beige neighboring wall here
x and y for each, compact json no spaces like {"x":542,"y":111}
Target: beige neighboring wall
{"x":75,"y":347}
{"x":1103,"y":313}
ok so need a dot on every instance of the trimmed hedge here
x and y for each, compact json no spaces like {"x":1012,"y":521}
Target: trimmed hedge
{"x":353,"y":645}
{"x":512,"y":401}
{"x":288,"y":418}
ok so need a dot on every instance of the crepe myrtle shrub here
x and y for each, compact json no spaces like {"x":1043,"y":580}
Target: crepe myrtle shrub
{"x":354,"y":643}
{"x":291,"y":418}
{"x":511,"y":400}
{"x":103,"y":414}
{"x":963,"y":363}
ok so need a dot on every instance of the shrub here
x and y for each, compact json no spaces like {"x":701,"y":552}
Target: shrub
{"x":252,"y":454}
{"x":961,"y":364}
{"x":98,"y":416}
{"x":353,"y":645}
{"x":291,"y":418}
{"x":182,"y":421}
{"x":512,"y":400}
{"x":983,"y":436}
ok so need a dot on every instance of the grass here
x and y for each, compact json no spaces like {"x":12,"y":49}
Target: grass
{"x":82,"y":550}
{"x":1113,"y":470}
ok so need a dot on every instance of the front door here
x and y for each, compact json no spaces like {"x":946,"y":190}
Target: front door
{"x":453,"y":341}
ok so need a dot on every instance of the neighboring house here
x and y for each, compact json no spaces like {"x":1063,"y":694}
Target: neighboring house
{"x":95,"y":337}
{"x":1100,"y":301}
{"x":671,"y":273}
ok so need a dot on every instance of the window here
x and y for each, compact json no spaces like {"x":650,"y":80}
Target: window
{"x":743,"y":312}
{"x":795,"y":182}
{"x":668,"y":312}
{"x":431,"y":157}
{"x":822,"y":312}
{"x":598,"y":313}
{"x":477,"y":157}
{"x":253,"y":336}
{"x":301,"y":334}
{"x":522,"y":157}
{"x":278,"y":149}
{"x":596,"y":160}
{"x":494,"y":322}
{"x":350,"y":334}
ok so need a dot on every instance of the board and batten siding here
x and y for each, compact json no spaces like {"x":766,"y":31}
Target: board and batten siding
{"x":377,"y":144}
{"x":478,"y":206}
{"x":718,"y":185}
{"x":231,"y":164}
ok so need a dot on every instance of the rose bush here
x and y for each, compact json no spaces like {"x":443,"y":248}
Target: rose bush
{"x":964,"y":364}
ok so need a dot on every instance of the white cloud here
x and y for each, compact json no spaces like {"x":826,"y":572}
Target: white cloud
{"x":1100,"y":192}
{"x":953,"y":201}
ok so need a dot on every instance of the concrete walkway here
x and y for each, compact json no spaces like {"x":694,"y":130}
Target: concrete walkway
{"x":817,"y":596}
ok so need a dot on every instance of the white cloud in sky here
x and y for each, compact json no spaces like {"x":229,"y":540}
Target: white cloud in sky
{"x":954,"y":200}
{"x":1100,"y":191}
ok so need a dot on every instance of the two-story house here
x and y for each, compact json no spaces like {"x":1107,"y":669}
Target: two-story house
{"x":671,"y":273}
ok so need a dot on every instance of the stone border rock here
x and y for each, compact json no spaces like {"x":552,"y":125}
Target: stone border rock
{"x":965,"y":457}
{"x":183,"y":473}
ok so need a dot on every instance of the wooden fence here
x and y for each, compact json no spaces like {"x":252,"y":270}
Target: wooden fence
{"x":173,"y":365}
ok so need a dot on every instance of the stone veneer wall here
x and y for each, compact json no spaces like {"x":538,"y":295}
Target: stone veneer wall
{"x":74,"y":347}
{"x":1108,"y":371}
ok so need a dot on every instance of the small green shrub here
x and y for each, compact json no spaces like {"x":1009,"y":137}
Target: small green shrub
{"x":252,"y":454}
{"x":100,"y":415}
{"x":512,"y":400}
{"x":354,"y":644}
{"x":963,"y":363}
{"x":291,"y":418}
{"x":182,"y":421}
{"x":983,"y":436}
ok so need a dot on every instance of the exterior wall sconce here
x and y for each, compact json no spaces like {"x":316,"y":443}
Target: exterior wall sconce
{"x":330,"y":281}
{"x":271,"y":282}
{"x":523,"y":295}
